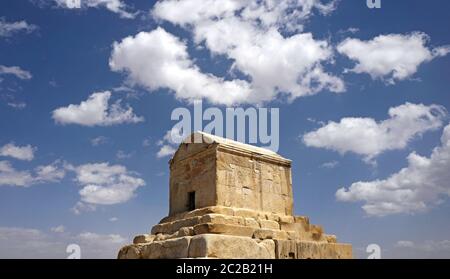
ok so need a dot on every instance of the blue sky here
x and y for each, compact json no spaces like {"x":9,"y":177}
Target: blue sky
{"x":53,"y":56}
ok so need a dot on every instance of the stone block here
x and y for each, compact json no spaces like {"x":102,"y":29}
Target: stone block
{"x":331,"y":238}
{"x":317,"y":233}
{"x":186,"y":231}
{"x":285,"y":249}
{"x":274,"y":203}
{"x":246,"y":213}
{"x":250,"y":222}
{"x":167,"y":249}
{"x":289,"y":226}
{"x":286,"y":219}
{"x":272,"y":217}
{"x":172,"y":227}
{"x":317,"y":250}
{"x":268,"y":224}
{"x":211,"y":228}
{"x":160,"y":236}
{"x":270,"y":234}
{"x":293,"y":235}
{"x":210,"y":210}
{"x":130,"y":252}
{"x":223,"y":219}
{"x":309,"y":250}
{"x":230,"y":247}
{"x":143,"y":238}
{"x":302,"y":220}
{"x":159,"y":228}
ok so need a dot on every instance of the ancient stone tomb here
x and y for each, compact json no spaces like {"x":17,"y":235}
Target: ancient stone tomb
{"x":232,"y":200}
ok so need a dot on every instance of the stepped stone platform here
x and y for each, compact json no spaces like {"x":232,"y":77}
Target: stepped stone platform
{"x":231,"y":200}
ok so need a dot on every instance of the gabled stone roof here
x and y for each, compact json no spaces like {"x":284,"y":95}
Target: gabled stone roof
{"x":229,"y":144}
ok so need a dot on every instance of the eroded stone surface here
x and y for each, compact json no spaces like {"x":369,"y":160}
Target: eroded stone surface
{"x":230,"y":247}
{"x":317,"y":250}
{"x":213,"y":228}
{"x":231,"y":200}
{"x":270,"y":234}
{"x":143,"y":238}
{"x":130,"y":252}
{"x":167,"y":249}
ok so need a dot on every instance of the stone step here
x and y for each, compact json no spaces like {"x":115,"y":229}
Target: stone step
{"x":234,"y":247}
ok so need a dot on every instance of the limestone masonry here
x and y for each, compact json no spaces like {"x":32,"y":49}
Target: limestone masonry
{"x":232,"y":200}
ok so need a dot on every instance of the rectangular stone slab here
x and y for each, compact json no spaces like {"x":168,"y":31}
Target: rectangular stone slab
{"x":230,"y":247}
{"x":223,"y":229}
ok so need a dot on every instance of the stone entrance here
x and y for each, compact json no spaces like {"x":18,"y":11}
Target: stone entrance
{"x":232,"y":200}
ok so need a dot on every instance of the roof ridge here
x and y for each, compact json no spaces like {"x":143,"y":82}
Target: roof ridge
{"x":209,"y":138}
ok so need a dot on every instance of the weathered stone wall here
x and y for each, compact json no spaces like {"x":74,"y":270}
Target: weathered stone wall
{"x":192,"y":169}
{"x":246,"y":181}
{"x":243,"y":209}
{"x":224,"y":177}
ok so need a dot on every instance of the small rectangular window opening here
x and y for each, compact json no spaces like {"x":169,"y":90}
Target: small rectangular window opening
{"x":191,"y":201}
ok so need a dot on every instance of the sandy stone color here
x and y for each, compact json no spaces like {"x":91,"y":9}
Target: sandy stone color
{"x":232,"y":200}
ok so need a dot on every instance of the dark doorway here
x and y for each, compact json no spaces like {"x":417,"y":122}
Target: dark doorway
{"x":191,"y":201}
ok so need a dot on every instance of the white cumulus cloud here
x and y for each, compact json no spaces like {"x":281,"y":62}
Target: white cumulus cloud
{"x":249,"y":33}
{"x":8,"y":29}
{"x":12,"y":177}
{"x":158,"y":59}
{"x":18,"y":152}
{"x":116,"y":6}
{"x":165,"y":151}
{"x":17,"y":105}
{"x":15,"y":71}
{"x":391,"y":57}
{"x":415,"y":188}
{"x":9,"y":176}
{"x":330,"y":165}
{"x":105,"y":184}
{"x":120,"y":154}
{"x":99,"y":140}
{"x":169,"y":143}
{"x":369,"y":138}
{"x":289,"y":14}
{"x":96,"y":111}
{"x":50,"y":173}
